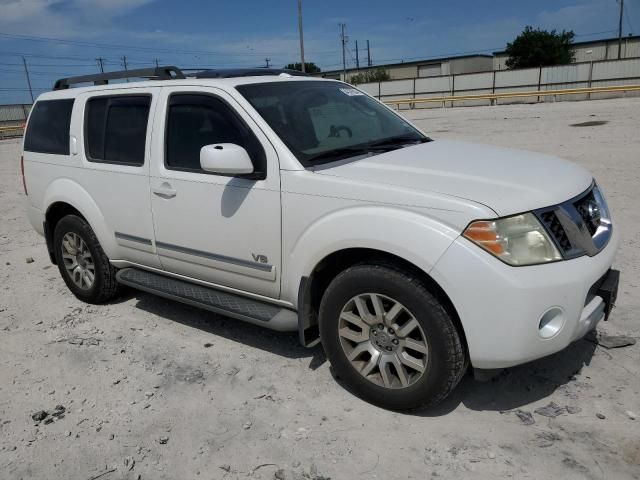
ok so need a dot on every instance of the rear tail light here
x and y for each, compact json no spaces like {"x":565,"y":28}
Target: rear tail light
{"x":24,"y":181}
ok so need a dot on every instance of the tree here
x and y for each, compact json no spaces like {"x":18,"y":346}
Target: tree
{"x":309,"y":67}
{"x":540,"y":48}
{"x":370,"y":76}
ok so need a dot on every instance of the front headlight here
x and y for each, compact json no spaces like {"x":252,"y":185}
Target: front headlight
{"x":517,"y":240}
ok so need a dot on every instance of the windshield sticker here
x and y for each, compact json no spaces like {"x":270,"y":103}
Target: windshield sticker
{"x":352,"y":92}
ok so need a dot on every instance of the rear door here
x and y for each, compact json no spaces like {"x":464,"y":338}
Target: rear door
{"x":111,"y":132}
{"x":219,"y":229}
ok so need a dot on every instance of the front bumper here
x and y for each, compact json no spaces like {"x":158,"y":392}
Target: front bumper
{"x":501,"y":307}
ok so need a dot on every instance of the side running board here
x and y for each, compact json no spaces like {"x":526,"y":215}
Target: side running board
{"x":224,"y":303}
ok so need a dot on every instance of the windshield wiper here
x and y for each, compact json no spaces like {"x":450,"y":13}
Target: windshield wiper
{"x":385,"y":145}
{"x":398,"y":141}
{"x":340,"y":153}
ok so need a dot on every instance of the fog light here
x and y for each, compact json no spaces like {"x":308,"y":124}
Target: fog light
{"x":551,"y":322}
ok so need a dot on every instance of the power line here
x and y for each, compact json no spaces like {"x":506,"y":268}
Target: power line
{"x":34,"y":55}
{"x":44,"y":74}
{"x":77,"y":43}
{"x":56,"y":65}
{"x":33,"y":38}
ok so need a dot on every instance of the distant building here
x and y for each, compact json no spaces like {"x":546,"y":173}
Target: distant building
{"x":431,"y":67}
{"x":590,"y":51}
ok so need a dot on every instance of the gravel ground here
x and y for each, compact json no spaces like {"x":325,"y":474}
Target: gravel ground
{"x":157,"y":390}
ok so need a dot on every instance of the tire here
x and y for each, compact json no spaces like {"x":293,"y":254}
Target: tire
{"x":431,"y":343}
{"x":74,"y":233}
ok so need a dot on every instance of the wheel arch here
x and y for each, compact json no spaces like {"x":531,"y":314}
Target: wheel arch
{"x":55,"y":212}
{"x":65,"y":197}
{"x":313,"y":286}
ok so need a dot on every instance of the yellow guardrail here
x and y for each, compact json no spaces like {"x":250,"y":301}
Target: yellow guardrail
{"x":496,"y":96}
{"x":15,"y":131}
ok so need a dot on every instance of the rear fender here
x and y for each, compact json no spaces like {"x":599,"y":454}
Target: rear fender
{"x":67,"y":191}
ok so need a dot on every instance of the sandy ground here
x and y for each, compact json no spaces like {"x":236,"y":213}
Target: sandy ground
{"x":158,"y":390}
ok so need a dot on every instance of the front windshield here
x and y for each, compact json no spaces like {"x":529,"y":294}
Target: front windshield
{"x":324,"y":121}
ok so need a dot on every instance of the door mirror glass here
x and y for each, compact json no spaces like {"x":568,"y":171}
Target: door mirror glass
{"x":225,"y":159}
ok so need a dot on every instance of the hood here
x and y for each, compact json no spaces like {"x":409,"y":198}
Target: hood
{"x":506,"y":180}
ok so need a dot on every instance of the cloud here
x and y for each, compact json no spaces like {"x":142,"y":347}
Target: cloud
{"x":583,"y":17}
{"x":14,"y":11}
{"x":62,"y":18}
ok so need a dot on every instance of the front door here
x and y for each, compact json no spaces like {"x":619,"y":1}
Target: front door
{"x":220,"y":229}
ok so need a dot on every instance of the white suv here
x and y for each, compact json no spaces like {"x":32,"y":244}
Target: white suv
{"x":304,"y":204}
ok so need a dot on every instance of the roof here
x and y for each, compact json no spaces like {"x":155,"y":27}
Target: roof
{"x":228,"y":82}
{"x":589,"y":42}
{"x":412,"y":62}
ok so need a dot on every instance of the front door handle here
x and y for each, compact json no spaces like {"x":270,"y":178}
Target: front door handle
{"x":164,"y":191}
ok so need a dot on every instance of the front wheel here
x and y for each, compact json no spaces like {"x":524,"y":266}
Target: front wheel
{"x":389,"y":338}
{"x":83,"y":264}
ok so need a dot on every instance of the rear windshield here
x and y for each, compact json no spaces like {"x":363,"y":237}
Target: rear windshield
{"x":48,"y":128}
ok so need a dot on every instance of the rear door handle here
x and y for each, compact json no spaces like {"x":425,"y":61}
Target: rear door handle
{"x":164,"y":191}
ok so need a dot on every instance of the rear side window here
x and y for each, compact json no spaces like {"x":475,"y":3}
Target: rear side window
{"x":116,"y":129}
{"x":48,"y":129}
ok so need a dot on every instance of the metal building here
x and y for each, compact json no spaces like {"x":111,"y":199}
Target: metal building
{"x":432,"y":67}
{"x":590,"y":51}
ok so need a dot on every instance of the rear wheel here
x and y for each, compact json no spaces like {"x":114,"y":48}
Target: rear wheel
{"x":389,"y":338}
{"x":83,"y":264}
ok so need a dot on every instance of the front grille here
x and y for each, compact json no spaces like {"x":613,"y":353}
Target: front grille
{"x":579,"y":226}
{"x":554,"y":227}
{"x":588,"y":209}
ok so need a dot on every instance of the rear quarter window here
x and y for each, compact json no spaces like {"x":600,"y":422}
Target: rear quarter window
{"x":48,"y":128}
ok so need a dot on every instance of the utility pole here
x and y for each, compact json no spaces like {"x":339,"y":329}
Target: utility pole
{"x":100,"y":61}
{"x":357,"y":57}
{"x":620,"y":29}
{"x":368,"y":55}
{"x":343,"y":40}
{"x":302,"y":67}
{"x":26,"y":71}
{"x":267,"y":60}
{"x":124,"y":64}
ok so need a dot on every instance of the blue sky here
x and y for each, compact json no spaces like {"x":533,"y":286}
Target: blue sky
{"x":209,"y":33}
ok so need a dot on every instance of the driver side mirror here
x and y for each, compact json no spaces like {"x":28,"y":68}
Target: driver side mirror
{"x":225,"y":159}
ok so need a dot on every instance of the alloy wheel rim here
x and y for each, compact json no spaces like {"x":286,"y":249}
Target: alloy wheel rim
{"x":383,"y":341}
{"x":78,"y":261}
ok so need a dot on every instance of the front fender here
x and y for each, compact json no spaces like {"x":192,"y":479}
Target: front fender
{"x":67,"y":191}
{"x":407,"y":234}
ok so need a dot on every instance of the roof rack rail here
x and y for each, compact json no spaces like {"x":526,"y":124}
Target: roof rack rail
{"x":246,"y":72}
{"x":156,"y":73}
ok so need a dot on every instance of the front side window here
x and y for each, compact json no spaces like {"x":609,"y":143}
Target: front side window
{"x":48,"y":129}
{"x":196,"y":120}
{"x":323,"y":121}
{"x":116,"y":129}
